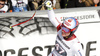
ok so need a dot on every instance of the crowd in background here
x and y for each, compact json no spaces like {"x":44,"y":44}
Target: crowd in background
{"x":30,"y":5}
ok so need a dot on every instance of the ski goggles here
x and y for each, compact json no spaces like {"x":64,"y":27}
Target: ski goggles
{"x":2,"y":4}
{"x":65,"y":29}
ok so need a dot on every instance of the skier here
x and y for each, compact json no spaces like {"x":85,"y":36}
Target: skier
{"x":67,"y":43}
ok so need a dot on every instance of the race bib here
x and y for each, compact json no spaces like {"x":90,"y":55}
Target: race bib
{"x":60,"y":49}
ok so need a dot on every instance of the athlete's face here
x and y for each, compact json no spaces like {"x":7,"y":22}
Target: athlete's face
{"x":2,"y":4}
{"x":65,"y":32}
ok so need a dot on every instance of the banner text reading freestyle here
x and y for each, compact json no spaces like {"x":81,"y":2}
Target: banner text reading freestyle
{"x":49,"y":47}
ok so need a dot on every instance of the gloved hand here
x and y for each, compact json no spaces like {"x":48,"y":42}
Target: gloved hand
{"x":48,"y":4}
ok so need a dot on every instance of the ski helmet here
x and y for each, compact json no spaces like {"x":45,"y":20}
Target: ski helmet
{"x":71,"y":23}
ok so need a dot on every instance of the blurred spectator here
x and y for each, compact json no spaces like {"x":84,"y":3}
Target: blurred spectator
{"x":31,"y":5}
{"x":96,"y":2}
{"x":9,"y":3}
{"x":3,"y":6}
{"x":89,"y":3}
{"x":71,"y":3}
{"x":19,"y":5}
{"x":57,"y":5}
{"x":54,"y":3}
{"x":37,"y":3}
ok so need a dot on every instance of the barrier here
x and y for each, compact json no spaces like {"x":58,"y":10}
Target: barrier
{"x":37,"y":37}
